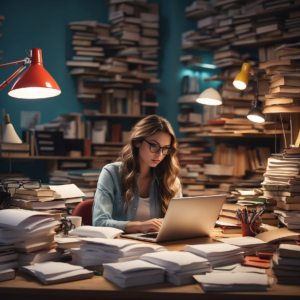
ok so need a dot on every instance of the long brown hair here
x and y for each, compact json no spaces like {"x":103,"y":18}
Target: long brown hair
{"x":166,"y":172}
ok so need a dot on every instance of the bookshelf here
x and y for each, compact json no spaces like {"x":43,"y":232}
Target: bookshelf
{"x":97,"y":114}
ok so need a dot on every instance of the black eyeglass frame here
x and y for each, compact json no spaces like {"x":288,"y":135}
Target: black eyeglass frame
{"x":21,"y":183}
{"x":170,"y":149}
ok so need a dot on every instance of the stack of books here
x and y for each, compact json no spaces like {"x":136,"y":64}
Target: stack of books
{"x":8,"y":258}
{"x":233,"y":24}
{"x":111,"y":59}
{"x":27,"y":232}
{"x":281,"y":185}
{"x":285,"y":264}
{"x":86,"y":180}
{"x":218,"y":255}
{"x":14,"y":150}
{"x":133,"y":273}
{"x":179,"y":266}
{"x":283,"y":73}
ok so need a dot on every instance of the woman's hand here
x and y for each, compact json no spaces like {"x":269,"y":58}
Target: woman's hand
{"x":152,"y":225}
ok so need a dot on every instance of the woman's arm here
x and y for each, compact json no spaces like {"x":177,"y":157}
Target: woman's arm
{"x":103,"y":204}
{"x":152,"y":225}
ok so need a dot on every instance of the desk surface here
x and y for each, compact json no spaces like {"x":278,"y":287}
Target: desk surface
{"x":27,"y":287}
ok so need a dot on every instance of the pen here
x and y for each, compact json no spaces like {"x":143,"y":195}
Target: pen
{"x":245,"y":215}
{"x":254,"y":213}
{"x":239,"y":215}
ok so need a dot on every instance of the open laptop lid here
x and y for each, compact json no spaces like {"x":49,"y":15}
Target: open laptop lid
{"x":190,"y":217}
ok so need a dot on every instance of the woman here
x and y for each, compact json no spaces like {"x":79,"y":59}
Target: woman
{"x":135,"y":191}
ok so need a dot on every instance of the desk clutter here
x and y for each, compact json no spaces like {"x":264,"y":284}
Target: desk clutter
{"x":28,"y":242}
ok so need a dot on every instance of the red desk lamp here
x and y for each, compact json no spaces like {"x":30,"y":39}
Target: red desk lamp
{"x":35,"y":82}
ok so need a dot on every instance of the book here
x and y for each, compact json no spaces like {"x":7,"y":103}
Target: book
{"x":56,"y":272}
{"x":99,"y":232}
{"x":7,"y":274}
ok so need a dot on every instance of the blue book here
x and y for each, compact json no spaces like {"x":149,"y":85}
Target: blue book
{"x":85,"y":172}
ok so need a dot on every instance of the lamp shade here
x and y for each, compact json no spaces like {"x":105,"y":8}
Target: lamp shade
{"x":255,"y":114}
{"x":210,"y":97}
{"x":241,"y":79}
{"x":9,"y":133}
{"x":35,"y":82}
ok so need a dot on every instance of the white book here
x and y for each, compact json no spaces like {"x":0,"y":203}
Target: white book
{"x":67,"y":191}
{"x":226,"y":261}
{"x":109,"y":244}
{"x":245,"y":241}
{"x":175,"y":261}
{"x":185,"y":278}
{"x":244,"y":269}
{"x":98,"y":232}
{"x":133,"y":273}
{"x":233,"y":281}
{"x":7,"y":274}
{"x":56,"y":272}
{"x":211,"y":251}
{"x":131,"y":250}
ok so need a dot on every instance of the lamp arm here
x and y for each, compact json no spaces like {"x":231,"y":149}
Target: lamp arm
{"x":252,"y":73}
{"x":25,"y":60}
{"x":11,"y":77}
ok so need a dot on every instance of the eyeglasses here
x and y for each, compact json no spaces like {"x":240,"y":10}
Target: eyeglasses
{"x":154,"y":148}
{"x":28,"y":184}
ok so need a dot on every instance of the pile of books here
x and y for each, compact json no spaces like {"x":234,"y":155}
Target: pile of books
{"x":86,"y":180}
{"x":281,"y":185}
{"x":30,"y":234}
{"x":14,"y":150}
{"x":53,"y":199}
{"x":283,"y":73}
{"x":285,"y":264}
{"x":235,"y":24}
{"x":111,"y":59}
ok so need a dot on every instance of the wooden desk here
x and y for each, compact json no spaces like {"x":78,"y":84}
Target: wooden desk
{"x":27,"y":287}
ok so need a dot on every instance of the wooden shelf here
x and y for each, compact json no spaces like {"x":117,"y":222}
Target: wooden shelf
{"x":113,"y":115}
{"x":60,"y":157}
{"x":239,"y":135}
{"x":198,"y":14}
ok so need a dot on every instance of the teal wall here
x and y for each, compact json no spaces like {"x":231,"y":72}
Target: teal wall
{"x":44,"y":24}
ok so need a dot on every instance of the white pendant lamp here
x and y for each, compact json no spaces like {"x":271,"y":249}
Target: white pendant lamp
{"x":210,"y":97}
{"x":9,"y":133}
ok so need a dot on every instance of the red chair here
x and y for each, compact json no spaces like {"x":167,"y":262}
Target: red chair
{"x":85,"y":210}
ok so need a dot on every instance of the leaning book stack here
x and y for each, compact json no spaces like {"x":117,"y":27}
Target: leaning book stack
{"x":281,"y":184}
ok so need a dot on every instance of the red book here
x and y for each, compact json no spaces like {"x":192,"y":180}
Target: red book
{"x":196,"y":162}
{"x":216,"y":122}
{"x":87,"y":147}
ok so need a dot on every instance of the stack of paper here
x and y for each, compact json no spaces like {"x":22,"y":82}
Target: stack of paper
{"x":133,"y":273}
{"x":56,"y":272}
{"x":29,"y":231}
{"x":217,"y":282}
{"x":286,"y":264}
{"x":180,"y":266}
{"x":97,"y":251}
{"x":22,"y":225}
{"x":248,"y":244}
{"x":217,"y":254}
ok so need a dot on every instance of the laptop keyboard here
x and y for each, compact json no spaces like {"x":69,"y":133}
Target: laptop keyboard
{"x":150,"y":235}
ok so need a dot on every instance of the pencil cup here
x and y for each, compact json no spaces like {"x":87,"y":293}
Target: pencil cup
{"x":246,"y":230}
{"x":75,"y":220}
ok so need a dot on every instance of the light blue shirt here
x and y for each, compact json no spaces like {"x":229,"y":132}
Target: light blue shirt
{"x":108,"y":207}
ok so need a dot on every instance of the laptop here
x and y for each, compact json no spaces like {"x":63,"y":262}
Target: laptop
{"x":186,"y":217}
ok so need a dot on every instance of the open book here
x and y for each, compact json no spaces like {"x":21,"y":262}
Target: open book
{"x":97,"y":232}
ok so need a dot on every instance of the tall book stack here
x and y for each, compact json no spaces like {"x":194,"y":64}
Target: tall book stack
{"x":112,"y":60}
{"x":285,"y":264}
{"x":192,"y":156}
{"x":282,"y":184}
{"x":284,"y":87}
{"x":220,"y":23}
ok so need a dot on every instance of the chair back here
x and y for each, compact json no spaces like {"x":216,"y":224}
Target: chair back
{"x":85,"y":210}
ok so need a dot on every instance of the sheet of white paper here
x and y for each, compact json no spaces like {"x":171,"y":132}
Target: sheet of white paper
{"x":100,"y":232}
{"x":113,"y":243}
{"x":52,"y":268}
{"x":244,"y":269}
{"x":242,"y":241}
{"x":67,"y":191}
{"x":210,"y":250}
{"x":175,"y":260}
{"x":225,"y":224}
{"x":233,"y":278}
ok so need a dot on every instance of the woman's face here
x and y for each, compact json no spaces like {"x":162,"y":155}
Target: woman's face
{"x":161,"y":139}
